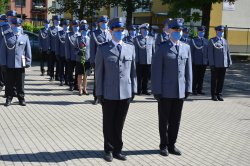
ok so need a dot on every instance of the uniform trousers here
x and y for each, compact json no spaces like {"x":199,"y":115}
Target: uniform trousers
{"x":198,"y":77}
{"x":217,"y":80}
{"x":169,"y":113}
{"x":2,"y":82}
{"x":63,"y":70}
{"x":72,"y":79}
{"x":114,"y":115}
{"x":143,"y":76}
{"x":15,"y":79}
{"x":52,"y":61}
{"x":43,"y":58}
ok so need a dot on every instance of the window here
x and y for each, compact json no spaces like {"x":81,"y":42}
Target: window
{"x":20,"y":3}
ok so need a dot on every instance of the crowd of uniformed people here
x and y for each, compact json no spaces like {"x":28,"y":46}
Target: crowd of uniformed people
{"x":123,"y":61}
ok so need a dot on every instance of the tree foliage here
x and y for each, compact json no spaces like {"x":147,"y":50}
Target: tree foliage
{"x":3,"y":5}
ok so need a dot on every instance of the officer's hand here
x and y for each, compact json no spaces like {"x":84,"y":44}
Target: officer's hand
{"x":92,"y":65}
{"x":132,"y":98}
{"x":157,"y":97}
{"x":100,"y":99}
{"x":27,"y":66}
{"x":187,"y":94}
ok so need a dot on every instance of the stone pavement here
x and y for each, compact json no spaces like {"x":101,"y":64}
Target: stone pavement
{"x":58,"y":127}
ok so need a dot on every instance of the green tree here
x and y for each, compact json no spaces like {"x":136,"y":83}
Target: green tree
{"x":3,"y":5}
{"x":182,"y":8}
{"x":130,"y":6}
{"x":79,"y":8}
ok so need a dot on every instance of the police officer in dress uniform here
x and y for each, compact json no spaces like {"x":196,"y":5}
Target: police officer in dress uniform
{"x":115,"y":87}
{"x":71,"y":52}
{"x":53,"y":32}
{"x":171,"y":83}
{"x":132,"y":34}
{"x":60,"y":53}
{"x":164,"y":36}
{"x":14,"y":58}
{"x":44,"y":43}
{"x":82,"y":59}
{"x":219,"y":60}
{"x":199,"y":59}
{"x":185,"y":37}
{"x":3,"y":27}
{"x":153,"y":32}
{"x":144,"y":48}
{"x":98,"y":37}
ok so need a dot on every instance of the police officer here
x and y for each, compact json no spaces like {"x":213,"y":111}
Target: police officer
{"x":185,"y":37}
{"x":153,"y":32}
{"x":98,"y":37}
{"x":10,"y":15}
{"x":3,"y":27}
{"x":60,"y":53}
{"x":171,"y":83}
{"x":132,"y":34}
{"x":199,"y":59}
{"x":144,"y":48}
{"x":115,"y":87}
{"x":71,"y":52}
{"x":219,"y":60}
{"x":164,"y":36}
{"x":44,"y":43}
{"x":53,"y":32}
{"x":82,"y":59}
{"x":14,"y":58}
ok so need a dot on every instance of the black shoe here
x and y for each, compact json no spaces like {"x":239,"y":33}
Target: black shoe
{"x":61,"y":83}
{"x":76,"y":88}
{"x":164,"y":152}
{"x":22,"y":103}
{"x":220,"y":98}
{"x":66,"y":83}
{"x":108,"y":157}
{"x":71,"y":88}
{"x":201,"y":93}
{"x":95,"y":102}
{"x":51,"y":79}
{"x":174,"y":150}
{"x":42,"y":74}
{"x":214,"y":98}
{"x":146,"y":93}
{"x":120,"y":156}
{"x":7,"y":103}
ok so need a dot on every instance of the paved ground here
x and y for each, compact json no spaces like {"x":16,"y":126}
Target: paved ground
{"x":58,"y":127}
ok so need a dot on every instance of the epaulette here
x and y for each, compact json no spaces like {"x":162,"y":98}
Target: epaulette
{"x":130,"y":43}
{"x":103,"y":44}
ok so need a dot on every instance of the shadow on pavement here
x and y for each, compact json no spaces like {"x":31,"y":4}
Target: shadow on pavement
{"x":58,"y":102}
{"x":62,"y":156}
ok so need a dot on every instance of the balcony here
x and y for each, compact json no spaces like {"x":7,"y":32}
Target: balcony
{"x":38,"y":6}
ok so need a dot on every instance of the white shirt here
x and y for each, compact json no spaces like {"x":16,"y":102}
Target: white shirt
{"x":116,"y":43}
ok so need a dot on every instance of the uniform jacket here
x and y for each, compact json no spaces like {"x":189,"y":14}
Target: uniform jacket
{"x":44,"y":39}
{"x":98,"y":37}
{"x":53,"y":32}
{"x":171,"y":73}
{"x":186,"y":40}
{"x":129,"y":39}
{"x":218,"y":53}
{"x":83,"y":41}
{"x":144,"y":49}
{"x":161,"y":37}
{"x":18,"y":49}
{"x":71,"y":48}
{"x":60,"y":44}
{"x":115,"y":75}
{"x":199,"y":51}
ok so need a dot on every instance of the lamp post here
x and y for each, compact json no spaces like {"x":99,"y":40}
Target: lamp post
{"x":21,"y":3}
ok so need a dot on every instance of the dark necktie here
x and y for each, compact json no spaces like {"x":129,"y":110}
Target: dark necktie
{"x":177,"y":48}
{"x":119,"y":48}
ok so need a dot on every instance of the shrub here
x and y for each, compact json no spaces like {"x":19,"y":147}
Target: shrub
{"x":37,"y":28}
{"x":28,"y":26}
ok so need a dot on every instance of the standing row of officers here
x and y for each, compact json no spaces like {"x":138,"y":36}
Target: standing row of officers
{"x":124,"y":62}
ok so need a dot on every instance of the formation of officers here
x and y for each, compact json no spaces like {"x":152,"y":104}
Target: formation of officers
{"x":124,"y":61}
